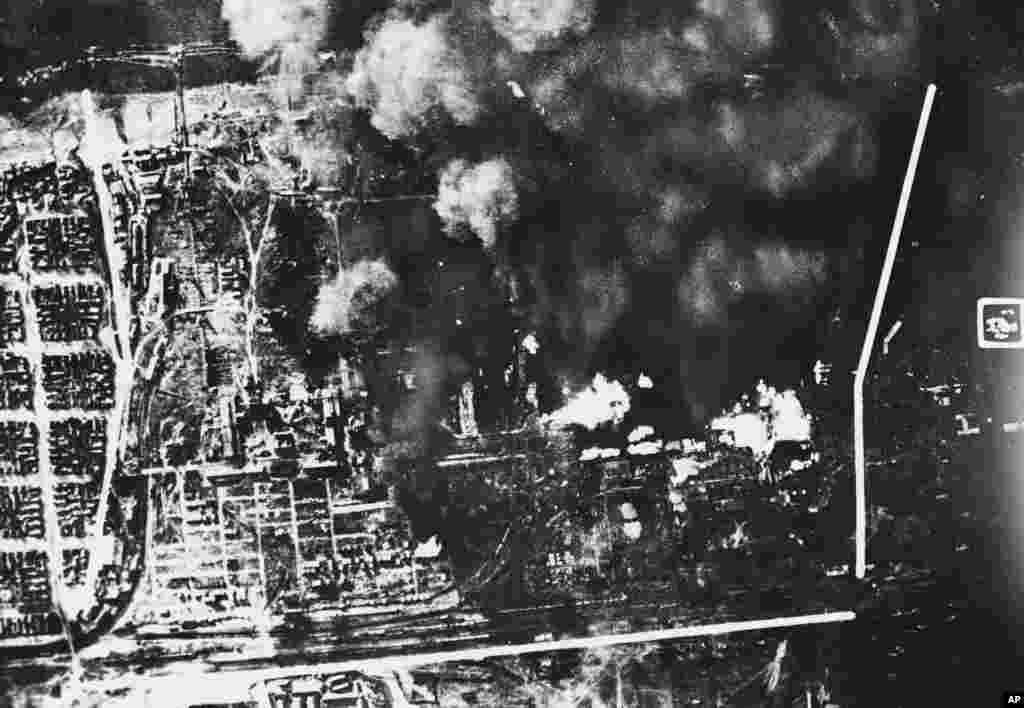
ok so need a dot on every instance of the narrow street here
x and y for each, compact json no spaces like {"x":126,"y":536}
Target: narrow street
{"x":34,"y":352}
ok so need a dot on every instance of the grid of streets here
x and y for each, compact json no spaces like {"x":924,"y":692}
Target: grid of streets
{"x":276,"y":507}
{"x":58,"y":395}
{"x":227,"y":551}
{"x":146,"y":385}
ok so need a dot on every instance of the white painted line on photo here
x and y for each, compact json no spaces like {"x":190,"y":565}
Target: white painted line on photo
{"x":860,"y":483}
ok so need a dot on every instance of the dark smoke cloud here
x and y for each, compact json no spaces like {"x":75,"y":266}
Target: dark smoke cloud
{"x":657,"y":142}
{"x":414,"y":429}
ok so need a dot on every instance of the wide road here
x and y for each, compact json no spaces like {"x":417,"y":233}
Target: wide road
{"x":120,"y":304}
{"x":165,"y":687}
{"x":328,"y":638}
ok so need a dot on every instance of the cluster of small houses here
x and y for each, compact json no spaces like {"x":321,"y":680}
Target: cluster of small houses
{"x":45,"y":188}
{"x":25,"y":585}
{"x":21,"y":512}
{"x":19,"y":448}
{"x":79,"y":380}
{"x":12,"y":317}
{"x":69,"y":313}
{"x":8,"y":238}
{"x":16,"y":382}
{"x":78,"y":447}
{"x":67,"y":242}
{"x":76,"y":507}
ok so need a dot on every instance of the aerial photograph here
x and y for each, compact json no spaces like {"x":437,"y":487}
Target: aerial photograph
{"x":512,"y":353}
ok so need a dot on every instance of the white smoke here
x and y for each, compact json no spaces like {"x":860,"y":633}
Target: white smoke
{"x":789,"y":422}
{"x":720,"y":275}
{"x":408,"y":69}
{"x":531,"y":344}
{"x":355,"y":289}
{"x":530,"y":24}
{"x":599,"y":453}
{"x":747,"y":25}
{"x":639,"y":433}
{"x":783,"y":146}
{"x":781,"y":417}
{"x":317,"y":144}
{"x":602,"y":402}
{"x":705,"y":290}
{"x":779,"y":268}
{"x":684,"y":468}
{"x":658,"y":66}
{"x":748,"y":430}
{"x":262,"y":25}
{"x":480,"y":197}
{"x":291,"y":28}
{"x":876,"y":43}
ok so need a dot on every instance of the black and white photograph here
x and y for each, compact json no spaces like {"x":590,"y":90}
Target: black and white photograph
{"x":511,"y":353}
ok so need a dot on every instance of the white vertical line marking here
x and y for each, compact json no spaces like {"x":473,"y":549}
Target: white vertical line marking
{"x":860,"y":482}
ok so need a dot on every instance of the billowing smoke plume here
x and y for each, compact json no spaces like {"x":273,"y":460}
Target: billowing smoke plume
{"x":656,"y":67}
{"x":407,"y":70}
{"x":747,"y":25}
{"x":317,"y":144}
{"x":663,"y":122}
{"x":262,"y":25}
{"x":786,"y":413}
{"x":778,"y":417}
{"x":412,"y":427}
{"x":656,"y":235}
{"x":778,"y":268}
{"x":747,"y":430}
{"x":784,"y":146}
{"x":603,"y":297}
{"x":602,"y":402}
{"x":719,"y":276}
{"x":531,"y":24}
{"x":479,"y":197}
{"x":291,"y":28}
{"x":341,"y":302}
{"x":876,"y":41}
